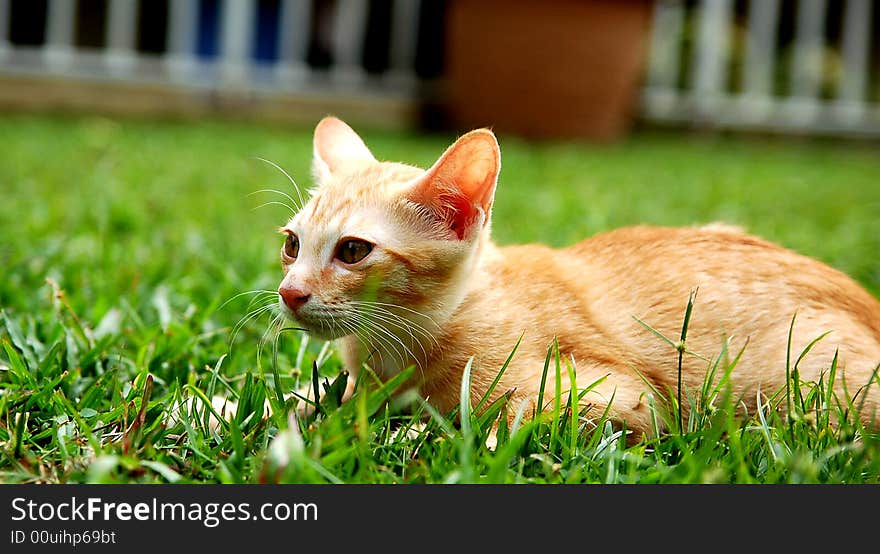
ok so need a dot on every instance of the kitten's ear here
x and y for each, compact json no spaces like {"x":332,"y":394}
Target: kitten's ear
{"x":336,"y":145}
{"x":460,"y":187}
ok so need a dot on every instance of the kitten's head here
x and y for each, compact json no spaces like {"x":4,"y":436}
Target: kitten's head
{"x":381,"y":241}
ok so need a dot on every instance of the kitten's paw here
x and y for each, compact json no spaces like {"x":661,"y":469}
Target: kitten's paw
{"x":194,"y":404}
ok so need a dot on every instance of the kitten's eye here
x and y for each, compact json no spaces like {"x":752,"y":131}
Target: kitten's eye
{"x":291,"y":246}
{"x":353,"y":250}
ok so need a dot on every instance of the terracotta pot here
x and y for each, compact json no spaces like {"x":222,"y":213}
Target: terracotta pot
{"x":547,"y":69}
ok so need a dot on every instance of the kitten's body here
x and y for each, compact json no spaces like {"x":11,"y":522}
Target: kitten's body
{"x":447,"y":293}
{"x":585,"y":297}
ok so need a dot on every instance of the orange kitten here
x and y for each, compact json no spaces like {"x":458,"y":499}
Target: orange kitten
{"x":396,"y":263}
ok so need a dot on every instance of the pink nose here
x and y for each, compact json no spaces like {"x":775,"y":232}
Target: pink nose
{"x":294,"y":298}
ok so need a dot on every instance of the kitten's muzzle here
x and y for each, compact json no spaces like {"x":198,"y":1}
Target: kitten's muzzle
{"x":293,"y":298}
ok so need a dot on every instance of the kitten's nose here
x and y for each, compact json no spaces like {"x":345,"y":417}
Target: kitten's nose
{"x":293,"y":297}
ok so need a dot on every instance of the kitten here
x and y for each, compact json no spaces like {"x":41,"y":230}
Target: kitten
{"x":396,"y":264}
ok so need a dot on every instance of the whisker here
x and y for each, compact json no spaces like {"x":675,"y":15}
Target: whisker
{"x":276,"y":202}
{"x":254,"y":312}
{"x":267,"y":300}
{"x":403,"y":325}
{"x":387,"y":304}
{"x":323,"y":354}
{"x":332,"y":319}
{"x":364,"y":324}
{"x":247,"y":317}
{"x":303,"y":345}
{"x":401,"y":322}
{"x":276,"y":191}
{"x":286,"y":174}
{"x":275,"y":340}
{"x":369,"y":348}
{"x":387,"y":343}
{"x":271,"y":329}
{"x":271,"y":333}
{"x":360,"y":317}
{"x":398,"y":321}
{"x":352,"y":329}
{"x":256,"y":291}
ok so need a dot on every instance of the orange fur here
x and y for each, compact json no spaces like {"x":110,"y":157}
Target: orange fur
{"x":443,"y":293}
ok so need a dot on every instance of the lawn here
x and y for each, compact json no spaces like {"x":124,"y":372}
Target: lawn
{"x":125,"y":246}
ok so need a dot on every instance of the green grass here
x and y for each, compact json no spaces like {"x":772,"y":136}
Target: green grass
{"x":120,"y":242}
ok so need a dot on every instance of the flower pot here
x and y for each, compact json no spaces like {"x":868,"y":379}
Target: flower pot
{"x":548,"y":69}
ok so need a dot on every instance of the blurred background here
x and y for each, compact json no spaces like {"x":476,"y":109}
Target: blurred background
{"x":587,"y":69}
{"x":138,"y":218}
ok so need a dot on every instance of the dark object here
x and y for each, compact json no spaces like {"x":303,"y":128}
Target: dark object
{"x":553,"y":69}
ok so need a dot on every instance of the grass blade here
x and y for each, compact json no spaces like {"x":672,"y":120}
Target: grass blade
{"x":497,"y":378}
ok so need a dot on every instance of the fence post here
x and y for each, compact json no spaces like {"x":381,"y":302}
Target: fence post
{"x":712,"y":54}
{"x":182,"y":27}
{"x":58,"y":52}
{"x":851,"y":94}
{"x":294,"y":32}
{"x":662,"y":94}
{"x":121,"y":27}
{"x":237,"y":27}
{"x":806,"y":63}
{"x":349,"y":31}
{"x":4,"y":30}
{"x":760,"y":61}
{"x":404,"y":42}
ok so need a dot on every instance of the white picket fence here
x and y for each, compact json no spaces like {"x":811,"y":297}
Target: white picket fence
{"x":736,"y":76}
{"x":234,"y":67}
{"x":708,"y":66}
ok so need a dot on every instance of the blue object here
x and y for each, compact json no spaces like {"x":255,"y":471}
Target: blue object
{"x":208,"y":36}
{"x":266,"y":34}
